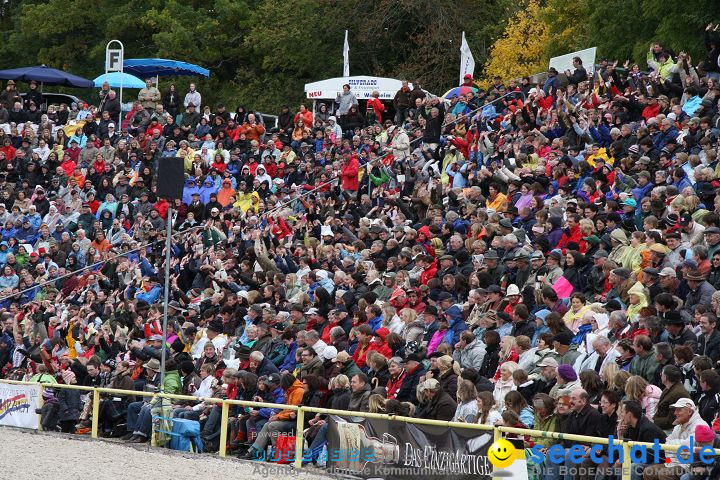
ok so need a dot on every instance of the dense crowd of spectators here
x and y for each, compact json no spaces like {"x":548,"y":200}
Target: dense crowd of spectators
{"x":543,"y":256}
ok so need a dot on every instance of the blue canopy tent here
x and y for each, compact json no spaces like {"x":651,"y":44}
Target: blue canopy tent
{"x":115,"y":79}
{"x":160,"y":67}
{"x":46,"y":76}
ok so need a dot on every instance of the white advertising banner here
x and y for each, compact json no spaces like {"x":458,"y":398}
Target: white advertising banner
{"x":361,"y":86}
{"x":18,"y":404}
{"x":564,"y":62}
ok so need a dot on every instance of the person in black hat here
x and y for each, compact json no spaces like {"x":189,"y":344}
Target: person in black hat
{"x":692,"y":232}
{"x":494,"y":298}
{"x":414,"y":369}
{"x":700,"y":292}
{"x":213,"y":336}
{"x":243,"y":353}
{"x":678,"y":332}
{"x":651,"y":281}
{"x":566,"y":353}
{"x":430,"y":319}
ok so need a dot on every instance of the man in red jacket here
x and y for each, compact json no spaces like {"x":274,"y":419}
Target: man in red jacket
{"x":379,"y":344}
{"x":572,"y":233}
{"x":375,"y":105}
{"x":349,"y":174}
{"x":429,"y":266}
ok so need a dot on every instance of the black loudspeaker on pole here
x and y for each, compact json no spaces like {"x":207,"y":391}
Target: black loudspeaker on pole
{"x":171,"y":177}
{"x":170,"y":182}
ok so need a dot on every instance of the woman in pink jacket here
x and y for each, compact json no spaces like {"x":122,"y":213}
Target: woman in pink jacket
{"x":647,"y":395}
{"x":438,"y":336}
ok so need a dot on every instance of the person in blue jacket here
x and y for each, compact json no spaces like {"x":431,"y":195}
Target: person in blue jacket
{"x":190,"y":188}
{"x":153,"y":291}
{"x":290,"y":360}
{"x":26,"y":234}
{"x":259,"y":417}
{"x":454,"y":315}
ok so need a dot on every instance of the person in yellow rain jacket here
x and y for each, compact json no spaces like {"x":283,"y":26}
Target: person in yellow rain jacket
{"x":496,"y":200}
{"x":664,"y":65}
{"x":247,"y":202}
{"x":596,"y":153}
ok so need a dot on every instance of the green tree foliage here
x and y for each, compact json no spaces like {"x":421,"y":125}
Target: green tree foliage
{"x":262,"y":52}
{"x":568,"y":25}
{"x":624,"y":29}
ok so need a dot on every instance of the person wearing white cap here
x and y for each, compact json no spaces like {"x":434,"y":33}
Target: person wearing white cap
{"x":668,"y":279}
{"x":322,"y":280}
{"x":687,"y":418}
{"x":326,"y":231}
{"x":512,"y":291}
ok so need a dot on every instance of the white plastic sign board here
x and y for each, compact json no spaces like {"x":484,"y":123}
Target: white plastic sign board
{"x":564,"y":62}
{"x":114,"y":60}
{"x":18,"y":404}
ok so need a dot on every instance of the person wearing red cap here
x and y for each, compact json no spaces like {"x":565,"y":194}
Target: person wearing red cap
{"x":467,"y":80}
{"x":705,"y":437}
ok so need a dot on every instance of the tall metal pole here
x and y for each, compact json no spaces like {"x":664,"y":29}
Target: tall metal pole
{"x":108,"y":63}
{"x":168,"y":246}
{"x":119,"y":127}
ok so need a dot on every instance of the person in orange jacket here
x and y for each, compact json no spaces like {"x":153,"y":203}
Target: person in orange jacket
{"x":282,"y":422}
{"x":305,"y":115}
{"x":252,"y":129}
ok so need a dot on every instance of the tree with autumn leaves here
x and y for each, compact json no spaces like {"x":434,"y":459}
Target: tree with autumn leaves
{"x":522,"y":48}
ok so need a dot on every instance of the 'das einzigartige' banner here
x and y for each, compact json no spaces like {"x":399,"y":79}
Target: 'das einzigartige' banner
{"x":394,"y":450}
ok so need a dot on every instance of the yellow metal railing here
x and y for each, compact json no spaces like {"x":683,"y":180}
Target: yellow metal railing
{"x":300,"y":421}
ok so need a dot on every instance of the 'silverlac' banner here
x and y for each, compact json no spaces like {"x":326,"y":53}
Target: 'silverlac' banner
{"x":373,"y":448}
{"x":18,"y":404}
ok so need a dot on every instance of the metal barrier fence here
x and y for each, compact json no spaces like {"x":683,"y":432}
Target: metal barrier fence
{"x":300,"y":421}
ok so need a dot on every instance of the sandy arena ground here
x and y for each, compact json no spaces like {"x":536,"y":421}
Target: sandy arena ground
{"x":43,"y":456}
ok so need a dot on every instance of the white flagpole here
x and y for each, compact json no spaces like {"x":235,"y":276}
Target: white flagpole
{"x":346,"y":56}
